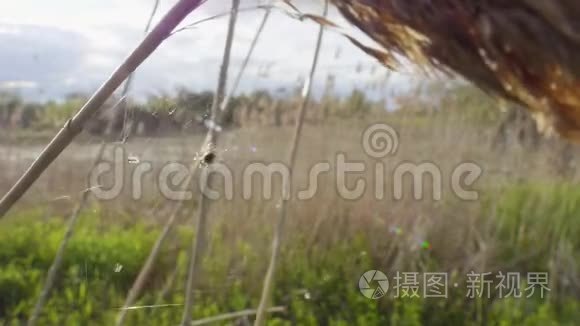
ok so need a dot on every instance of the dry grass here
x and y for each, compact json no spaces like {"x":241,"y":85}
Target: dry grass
{"x":198,"y":243}
{"x":461,"y":235}
{"x":455,"y":142}
{"x":479,"y":42}
{"x":269,"y":278}
{"x":59,"y":258}
{"x":438,"y":137}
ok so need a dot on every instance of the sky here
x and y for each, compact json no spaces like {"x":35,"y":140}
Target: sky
{"x":52,"y":48}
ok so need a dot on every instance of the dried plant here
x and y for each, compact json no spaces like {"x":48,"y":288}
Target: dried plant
{"x":293,"y":150}
{"x":145,"y":271}
{"x":147,"y":267}
{"x":128,"y":123}
{"x":525,"y":51}
{"x":226,"y":108}
{"x":225,"y":104}
{"x":233,"y":315}
{"x":59,"y":257}
{"x":199,"y":242}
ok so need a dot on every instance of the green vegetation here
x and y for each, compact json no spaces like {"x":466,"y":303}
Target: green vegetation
{"x":528,"y":227}
{"x":522,"y":223}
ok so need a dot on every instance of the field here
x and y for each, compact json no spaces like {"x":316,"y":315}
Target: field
{"x":524,"y":220}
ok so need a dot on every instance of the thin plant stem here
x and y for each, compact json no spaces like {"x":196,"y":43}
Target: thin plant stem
{"x":168,"y":286}
{"x":147,"y":267}
{"x":199,"y":241}
{"x":233,"y":315}
{"x":76,"y":124}
{"x":58,"y":259}
{"x":236,"y":83}
{"x":153,"y":13}
{"x":145,"y":271}
{"x":137,"y":286}
{"x":128,"y":123}
{"x":172,"y":277}
{"x":220,"y":15}
{"x":279,"y":228}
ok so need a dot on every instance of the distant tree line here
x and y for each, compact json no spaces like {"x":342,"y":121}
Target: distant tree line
{"x":187,"y":111}
{"x":183,"y":111}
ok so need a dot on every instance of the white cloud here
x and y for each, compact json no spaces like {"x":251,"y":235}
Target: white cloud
{"x":109,"y":29}
{"x":18,"y":84}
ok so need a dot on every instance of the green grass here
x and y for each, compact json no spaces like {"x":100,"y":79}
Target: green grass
{"x":533,"y":227}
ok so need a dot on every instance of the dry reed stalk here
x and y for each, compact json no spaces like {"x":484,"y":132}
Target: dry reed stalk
{"x":147,"y":268}
{"x":137,"y":286}
{"x":279,"y":230}
{"x":199,"y":242}
{"x":58,"y":259}
{"x":145,"y":271}
{"x":75,"y":125}
{"x":168,"y":286}
{"x":233,"y":315}
{"x":220,"y":15}
{"x":226,"y":101}
{"x":224,"y":106}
